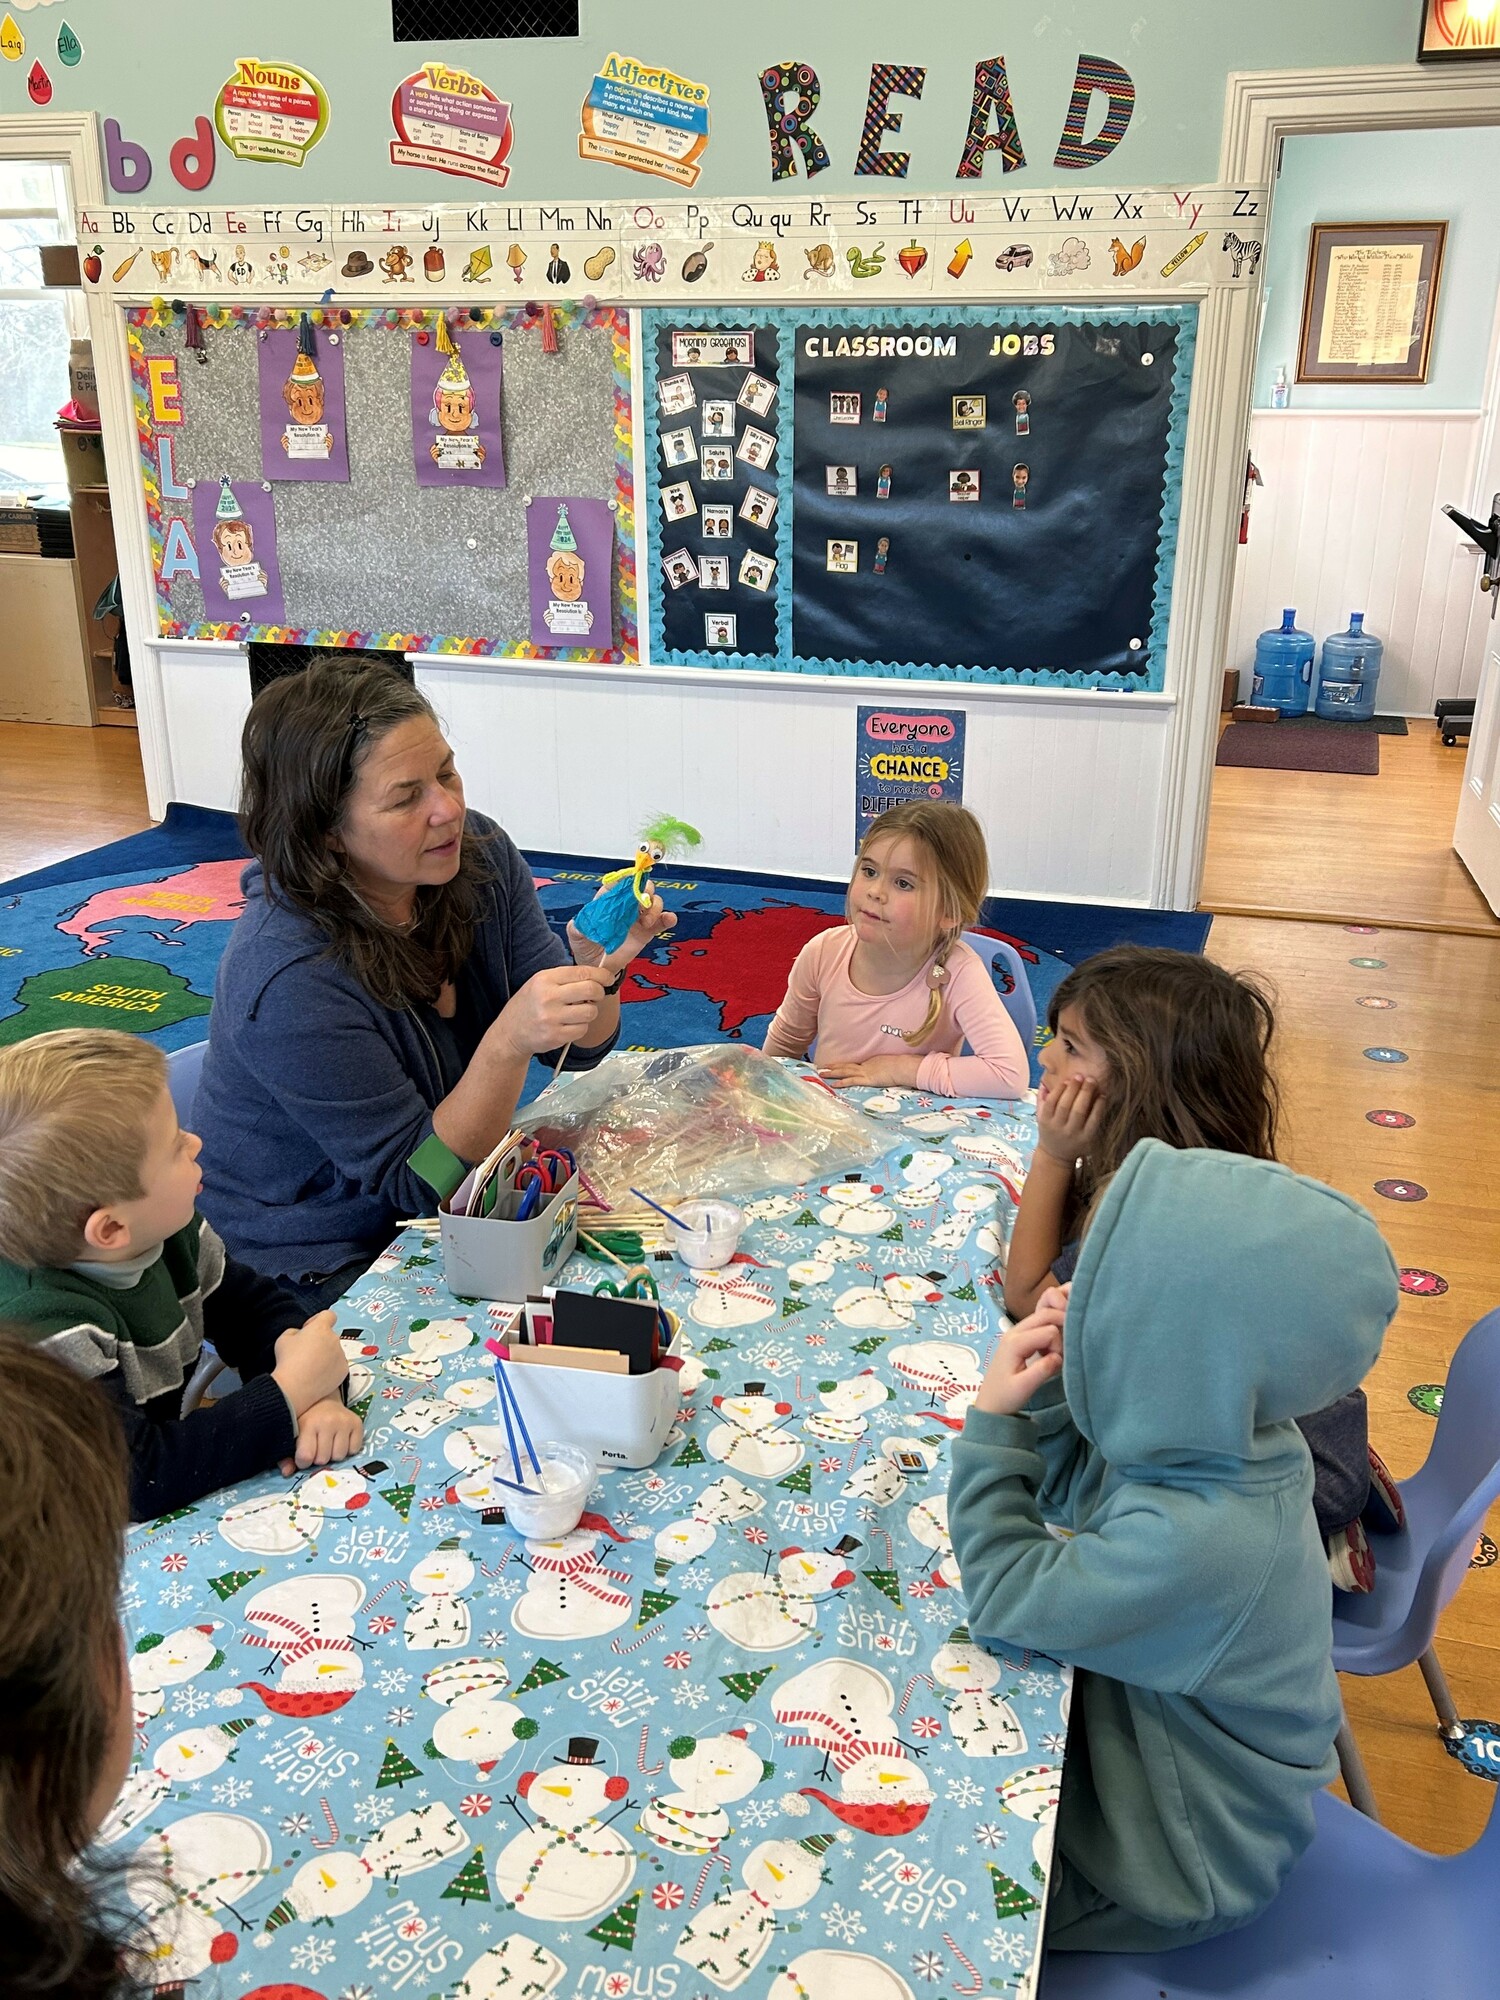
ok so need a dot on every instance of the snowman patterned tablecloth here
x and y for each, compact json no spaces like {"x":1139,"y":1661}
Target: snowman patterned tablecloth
{"x":731,"y":1736}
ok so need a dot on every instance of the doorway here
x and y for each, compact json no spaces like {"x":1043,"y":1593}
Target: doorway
{"x":1355,"y":820}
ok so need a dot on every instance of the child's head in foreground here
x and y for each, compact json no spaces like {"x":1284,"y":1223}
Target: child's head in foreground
{"x":93,"y":1164}
{"x":65,"y":1699}
{"x":1178,"y":1048}
{"x":919,"y":880}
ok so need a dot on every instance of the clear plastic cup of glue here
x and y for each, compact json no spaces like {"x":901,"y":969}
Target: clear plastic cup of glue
{"x":554,"y":1500}
{"x":712,"y":1236}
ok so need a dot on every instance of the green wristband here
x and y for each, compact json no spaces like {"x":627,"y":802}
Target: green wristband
{"x":439,"y":1166}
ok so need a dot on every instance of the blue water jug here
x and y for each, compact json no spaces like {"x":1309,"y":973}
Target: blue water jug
{"x":1349,"y":673}
{"x":1283,"y":668}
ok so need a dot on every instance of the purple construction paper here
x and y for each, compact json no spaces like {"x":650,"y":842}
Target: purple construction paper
{"x":240,"y":576}
{"x":293,"y":449}
{"x":483,"y":364}
{"x":592,"y":525}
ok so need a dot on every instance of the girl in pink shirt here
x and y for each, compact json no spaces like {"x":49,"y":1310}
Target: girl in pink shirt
{"x":894,"y":994}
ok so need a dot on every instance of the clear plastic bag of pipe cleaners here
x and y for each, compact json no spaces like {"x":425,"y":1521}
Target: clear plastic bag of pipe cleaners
{"x":719,"y":1119}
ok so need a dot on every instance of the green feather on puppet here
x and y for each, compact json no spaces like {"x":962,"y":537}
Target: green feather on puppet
{"x":625,"y":892}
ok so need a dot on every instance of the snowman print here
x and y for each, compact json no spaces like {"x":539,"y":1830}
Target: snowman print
{"x":308,"y":1621}
{"x":839,"y":1250}
{"x":948,"y":1371}
{"x":440,"y":1618}
{"x":765,"y":1613}
{"x":423,"y":1415}
{"x":721,"y":1503}
{"x":182,"y":1876}
{"x":471,"y":1393}
{"x":159,"y":1663}
{"x":730,"y":1298}
{"x":882,"y":1479}
{"x":279,"y":1524}
{"x":727,"y":1940}
{"x":847,"y":1710}
{"x":569,"y":1862}
{"x":842,"y":1417}
{"x":838,"y":1975}
{"x":927,"y":1523}
{"x":476,"y":1726}
{"x":518,"y":1968}
{"x":707,"y":1774}
{"x":982,"y":1723}
{"x":1033,"y":1794}
{"x":568,"y":1595}
{"x":330,"y":1885}
{"x":749,"y":1436}
{"x":936,"y":1124}
{"x":874,"y":1309}
{"x":856,"y":1208}
{"x":413,"y":1841}
{"x":184,"y":1759}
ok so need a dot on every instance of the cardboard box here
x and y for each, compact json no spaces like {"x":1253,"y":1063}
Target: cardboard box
{"x":83,"y":457}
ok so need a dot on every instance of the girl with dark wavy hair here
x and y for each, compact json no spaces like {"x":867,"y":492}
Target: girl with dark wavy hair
{"x":1152,"y":1044}
{"x":390,"y":979}
{"x":65,"y":1703}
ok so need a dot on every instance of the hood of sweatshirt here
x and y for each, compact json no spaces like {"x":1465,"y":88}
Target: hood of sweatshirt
{"x":1217,"y":1298}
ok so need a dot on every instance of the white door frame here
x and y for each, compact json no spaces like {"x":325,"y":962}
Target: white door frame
{"x":1261,"y":108}
{"x":71,"y":140}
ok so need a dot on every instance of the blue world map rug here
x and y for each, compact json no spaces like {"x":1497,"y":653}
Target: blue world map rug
{"x":130,"y":935}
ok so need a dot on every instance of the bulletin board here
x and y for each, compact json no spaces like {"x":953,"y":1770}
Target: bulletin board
{"x":965,"y":494}
{"x":382,"y":559}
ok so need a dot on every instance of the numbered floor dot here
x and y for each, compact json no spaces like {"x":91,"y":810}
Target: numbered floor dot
{"x":1401,"y":1190}
{"x":1478,"y":1749}
{"x":1363,"y":930}
{"x":1394,"y":1121}
{"x":1426,"y":1397}
{"x":1369,"y":964}
{"x":1419,"y":1284}
{"x":1386,"y":1055}
{"x":1485,"y":1554}
{"x":1375,"y":1000}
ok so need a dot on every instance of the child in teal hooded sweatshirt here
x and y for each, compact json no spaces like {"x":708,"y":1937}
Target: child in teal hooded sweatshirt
{"x":1150,"y":1409}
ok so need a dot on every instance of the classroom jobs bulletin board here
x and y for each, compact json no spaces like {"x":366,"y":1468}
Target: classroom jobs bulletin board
{"x":803,"y":454}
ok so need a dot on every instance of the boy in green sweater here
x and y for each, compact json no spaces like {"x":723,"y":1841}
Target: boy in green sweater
{"x":1151,"y":1409}
{"x":106,"y":1265}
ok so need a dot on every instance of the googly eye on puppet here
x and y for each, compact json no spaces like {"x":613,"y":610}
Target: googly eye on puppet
{"x":625,"y":892}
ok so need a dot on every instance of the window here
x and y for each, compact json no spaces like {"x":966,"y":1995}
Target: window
{"x":482,"y":20}
{"x":35,"y":325}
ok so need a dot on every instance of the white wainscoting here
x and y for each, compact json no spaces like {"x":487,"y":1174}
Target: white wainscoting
{"x":1349,"y":520}
{"x":1070,"y":787}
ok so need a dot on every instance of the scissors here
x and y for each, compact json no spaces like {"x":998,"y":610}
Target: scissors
{"x":542,"y":1177}
{"x":641,"y":1286}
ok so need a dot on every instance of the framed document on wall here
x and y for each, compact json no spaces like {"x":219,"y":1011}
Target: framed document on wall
{"x":1371,"y":301}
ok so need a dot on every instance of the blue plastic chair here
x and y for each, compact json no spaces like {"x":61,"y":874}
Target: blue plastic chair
{"x":1018,"y":1002}
{"x":1362,"y":1916}
{"x":1419,"y":1570}
{"x":184,"y":1067}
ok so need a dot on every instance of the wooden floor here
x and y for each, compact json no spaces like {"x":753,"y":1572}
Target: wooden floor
{"x":1366,"y":850}
{"x":63,"y":791}
{"x":1378,"y":848}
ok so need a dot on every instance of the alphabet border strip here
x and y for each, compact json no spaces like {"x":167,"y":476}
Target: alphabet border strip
{"x":1151,"y":242}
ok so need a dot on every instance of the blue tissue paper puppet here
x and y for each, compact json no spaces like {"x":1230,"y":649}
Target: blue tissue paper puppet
{"x":625,"y":892}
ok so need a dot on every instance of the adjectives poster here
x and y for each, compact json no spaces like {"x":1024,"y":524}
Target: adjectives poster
{"x":648,"y":119}
{"x":455,"y":409}
{"x":906,"y":753}
{"x":570,"y":552}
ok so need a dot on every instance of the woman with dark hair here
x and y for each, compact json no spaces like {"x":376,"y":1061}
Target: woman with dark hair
{"x":65,"y":1699}
{"x":390,"y":979}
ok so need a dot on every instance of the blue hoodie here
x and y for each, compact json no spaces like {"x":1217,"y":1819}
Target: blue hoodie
{"x":1217,"y":1299}
{"x":314,"y":1096}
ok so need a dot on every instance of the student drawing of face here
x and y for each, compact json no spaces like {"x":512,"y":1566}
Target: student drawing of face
{"x":565,"y":574}
{"x":453,"y":409}
{"x":235,"y":543}
{"x":304,"y":400}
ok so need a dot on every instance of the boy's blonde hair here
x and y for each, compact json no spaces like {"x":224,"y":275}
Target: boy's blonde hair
{"x":73,"y":1112}
{"x":953,"y":841}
